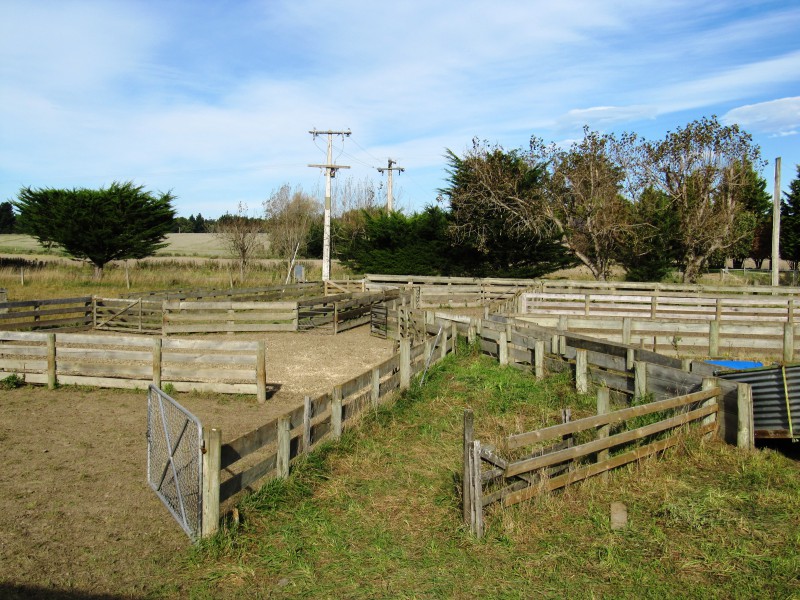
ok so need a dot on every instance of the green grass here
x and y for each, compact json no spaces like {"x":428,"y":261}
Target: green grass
{"x":378,"y":514}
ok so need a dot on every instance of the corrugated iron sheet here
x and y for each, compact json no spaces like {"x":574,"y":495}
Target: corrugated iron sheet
{"x":771,"y":414}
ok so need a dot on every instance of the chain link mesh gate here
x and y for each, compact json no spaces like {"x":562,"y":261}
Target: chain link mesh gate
{"x":174,"y":459}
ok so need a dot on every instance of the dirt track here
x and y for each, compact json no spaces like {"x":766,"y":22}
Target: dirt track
{"x":75,"y":509}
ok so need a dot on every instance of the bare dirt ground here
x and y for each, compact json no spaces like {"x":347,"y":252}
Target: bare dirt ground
{"x":76,"y":513}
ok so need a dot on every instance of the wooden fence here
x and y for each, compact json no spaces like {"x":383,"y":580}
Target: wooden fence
{"x":629,"y":372}
{"x":134,"y":362}
{"x":562,"y":286}
{"x":266,"y":293}
{"x":680,"y":337}
{"x":451,"y":291}
{"x":60,"y":314}
{"x":776,"y":308}
{"x":228,"y":317}
{"x":128,"y":315}
{"x":344,"y":285}
{"x":510,"y":478}
{"x":269,"y":450}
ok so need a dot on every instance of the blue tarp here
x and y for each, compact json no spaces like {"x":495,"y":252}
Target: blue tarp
{"x":736,"y":364}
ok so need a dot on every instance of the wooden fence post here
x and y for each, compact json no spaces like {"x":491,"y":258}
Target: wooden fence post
{"x":51,"y":361}
{"x":454,"y":335}
{"x":284,"y":446}
{"x":788,"y":342}
{"x":640,"y":379}
{"x":626,"y":330}
{"x":336,"y":412}
{"x":405,"y":363}
{"x":476,"y":493}
{"x":502,"y":348}
{"x":713,"y":338}
{"x":744,"y":405}
{"x":709,"y":383}
{"x":375,"y":393}
{"x":538,"y":359}
{"x":335,"y":318}
{"x":582,"y":371}
{"x":630,"y":358}
{"x":554,"y":343}
{"x":307,"y":424}
{"x":603,"y":408}
{"x":469,"y":429}
{"x":212,"y":460}
{"x":157,"y":345}
{"x":471,"y":332}
{"x":261,"y":372}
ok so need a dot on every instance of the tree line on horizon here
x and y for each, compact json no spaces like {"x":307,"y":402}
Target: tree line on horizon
{"x":686,"y":203}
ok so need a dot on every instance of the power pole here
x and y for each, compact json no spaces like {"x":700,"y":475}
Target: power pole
{"x":330,"y":171}
{"x":390,"y":168}
{"x":776,"y":225}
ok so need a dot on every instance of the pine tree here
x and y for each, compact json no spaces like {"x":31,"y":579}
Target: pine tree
{"x":790,"y":222}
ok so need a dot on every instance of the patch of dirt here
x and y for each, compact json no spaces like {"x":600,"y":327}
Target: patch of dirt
{"x":76,"y":512}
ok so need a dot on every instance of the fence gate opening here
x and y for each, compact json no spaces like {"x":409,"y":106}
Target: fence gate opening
{"x":174,"y":459}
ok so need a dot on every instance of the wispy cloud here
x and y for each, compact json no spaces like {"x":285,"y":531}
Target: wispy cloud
{"x":778,"y":118}
{"x":215,"y":101}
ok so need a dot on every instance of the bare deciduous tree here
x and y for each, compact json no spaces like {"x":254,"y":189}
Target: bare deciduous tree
{"x":242,"y":236}
{"x":700,"y":169}
{"x":574,"y":194}
{"x":289,"y":215}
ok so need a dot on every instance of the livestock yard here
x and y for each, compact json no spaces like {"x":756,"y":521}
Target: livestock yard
{"x":420,"y":499}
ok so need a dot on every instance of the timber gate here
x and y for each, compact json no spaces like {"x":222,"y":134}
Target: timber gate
{"x":174,"y":459}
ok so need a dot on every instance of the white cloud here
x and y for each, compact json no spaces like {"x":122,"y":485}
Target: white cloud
{"x":777,"y":117}
{"x":600,"y":117}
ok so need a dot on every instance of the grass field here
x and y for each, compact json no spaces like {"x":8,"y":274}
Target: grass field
{"x":205,"y":245}
{"x":378,"y":515}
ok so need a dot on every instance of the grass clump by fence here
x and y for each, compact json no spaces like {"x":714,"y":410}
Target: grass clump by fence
{"x":378,"y":514}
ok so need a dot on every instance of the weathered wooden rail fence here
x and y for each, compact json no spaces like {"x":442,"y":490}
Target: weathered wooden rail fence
{"x":683,"y":389}
{"x":492,"y":475}
{"x":63,"y":313}
{"x":269,"y":450}
{"x":134,"y":362}
{"x":286,"y":308}
{"x":706,"y":323}
{"x":451,"y":291}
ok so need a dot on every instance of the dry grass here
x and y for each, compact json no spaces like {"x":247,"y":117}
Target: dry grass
{"x":28,"y":278}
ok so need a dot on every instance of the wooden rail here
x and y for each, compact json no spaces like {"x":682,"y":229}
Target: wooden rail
{"x":267,"y":293}
{"x":451,"y":291}
{"x":684,"y":337}
{"x":59,"y":314}
{"x":230,"y":367}
{"x":229,"y":317}
{"x":663,"y":306}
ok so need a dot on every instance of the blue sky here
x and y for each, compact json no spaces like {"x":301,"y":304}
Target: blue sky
{"x":214,"y":100}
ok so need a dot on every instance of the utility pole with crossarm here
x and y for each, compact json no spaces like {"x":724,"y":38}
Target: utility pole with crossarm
{"x":330,"y":171}
{"x":389,"y":197}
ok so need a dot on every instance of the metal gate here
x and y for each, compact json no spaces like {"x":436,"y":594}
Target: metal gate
{"x":174,"y":459}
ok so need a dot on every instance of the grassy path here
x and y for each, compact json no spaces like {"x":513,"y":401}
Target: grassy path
{"x":378,"y":515}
